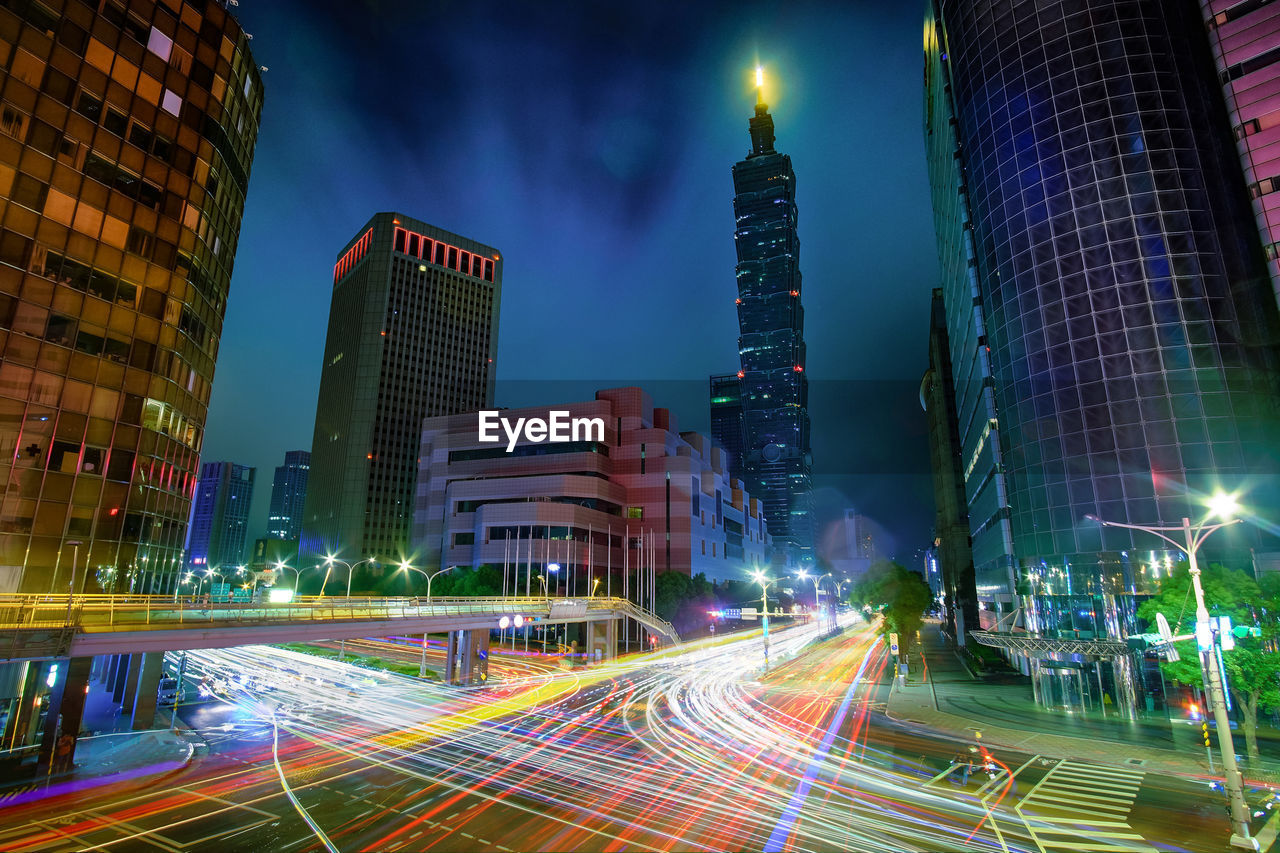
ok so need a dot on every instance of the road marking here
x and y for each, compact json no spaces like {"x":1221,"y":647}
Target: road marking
{"x":1081,"y":799}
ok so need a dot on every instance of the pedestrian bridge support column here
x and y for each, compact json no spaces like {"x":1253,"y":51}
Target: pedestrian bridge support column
{"x":467,"y":657}
{"x":144,"y":699}
{"x":602,"y":639}
{"x":66,"y":709}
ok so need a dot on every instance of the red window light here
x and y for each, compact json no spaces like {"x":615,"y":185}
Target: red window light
{"x":737,"y":302}
{"x":795,"y":293}
{"x":741,"y":374}
{"x":799,"y":369}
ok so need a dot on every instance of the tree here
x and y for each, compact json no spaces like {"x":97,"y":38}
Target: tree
{"x":682,"y":600}
{"x":1253,"y":666}
{"x":899,"y":595}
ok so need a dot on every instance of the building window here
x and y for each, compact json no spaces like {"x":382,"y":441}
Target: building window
{"x":635,"y":512}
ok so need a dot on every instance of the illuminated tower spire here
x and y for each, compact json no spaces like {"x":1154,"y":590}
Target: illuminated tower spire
{"x":761,"y":123}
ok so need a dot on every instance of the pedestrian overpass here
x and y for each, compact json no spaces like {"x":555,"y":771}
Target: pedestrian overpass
{"x":118,"y":642}
{"x":35,"y":627}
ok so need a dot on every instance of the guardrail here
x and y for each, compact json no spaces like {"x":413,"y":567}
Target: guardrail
{"x":62,"y":614}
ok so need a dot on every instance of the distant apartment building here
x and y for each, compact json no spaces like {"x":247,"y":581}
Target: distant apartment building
{"x":641,"y":497}
{"x":288,"y":494}
{"x":127,"y":131}
{"x":220,"y":516}
{"x":413,"y":333}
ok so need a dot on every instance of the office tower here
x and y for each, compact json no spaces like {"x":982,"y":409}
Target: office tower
{"x":776,"y":459}
{"x":635,"y":498}
{"x":950,"y":561}
{"x":126,"y":137}
{"x":1097,"y":248}
{"x":1246,"y":52}
{"x":220,"y":516}
{"x":413,"y":333}
{"x":726,"y":419}
{"x":288,"y":495}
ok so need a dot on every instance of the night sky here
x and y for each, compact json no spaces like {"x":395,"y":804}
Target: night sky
{"x":592,"y":145}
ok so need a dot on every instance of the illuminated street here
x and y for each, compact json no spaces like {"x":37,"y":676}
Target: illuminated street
{"x":686,"y":749}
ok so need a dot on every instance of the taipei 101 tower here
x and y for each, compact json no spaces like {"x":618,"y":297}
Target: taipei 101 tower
{"x":776,"y":462}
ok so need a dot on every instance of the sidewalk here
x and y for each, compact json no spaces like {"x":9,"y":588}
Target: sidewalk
{"x":1001,"y":708}
{"x":106,"y":760}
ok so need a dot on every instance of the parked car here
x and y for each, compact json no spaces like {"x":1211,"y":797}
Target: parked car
{"x":167,"y":691}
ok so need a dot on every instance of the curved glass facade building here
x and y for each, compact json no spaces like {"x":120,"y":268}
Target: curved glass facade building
{"x":1086,"y":181}
{"x":127,"y":132}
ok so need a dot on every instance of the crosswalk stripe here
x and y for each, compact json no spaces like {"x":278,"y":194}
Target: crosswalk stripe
{"x":1078,"y":810}
{"x":1068,"y":805}
{"x":1091,"y":823}
{"x":1109,"y":782}
{"x":1079,"y":815}
{"x":1050,"y":831}
{"x":1101,"y":848}
{"x":1077,"y":796}
{"x":1101,"y":771}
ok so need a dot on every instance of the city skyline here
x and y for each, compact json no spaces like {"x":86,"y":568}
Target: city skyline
{"x":613,"y":246}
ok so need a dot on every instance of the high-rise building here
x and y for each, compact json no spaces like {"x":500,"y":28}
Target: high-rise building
{"x":288,"y":495}
{"x":413,"y":333}
{"x":776,"y":458}
{"x":126,"y":137}
{"x":1102,"y":275}
{"x":726,"y":419}
{"x":949,"y":564}
{"x":220,"y":516}
{"x":1246,"y":52}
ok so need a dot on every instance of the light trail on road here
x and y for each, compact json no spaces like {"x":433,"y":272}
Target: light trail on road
{"x":694,"y":748}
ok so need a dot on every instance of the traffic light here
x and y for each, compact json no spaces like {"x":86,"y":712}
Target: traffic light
{"x":1204,"y":729}
{"x":1225,"y":637}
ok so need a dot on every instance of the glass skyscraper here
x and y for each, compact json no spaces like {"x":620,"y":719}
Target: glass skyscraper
{"x":1112,"y":328}
{"x":220,"y":516}
{"x":127,"y":131}
{"x":288,"y":495}
{"x":776,"y":458}
{"x":413,"y":334}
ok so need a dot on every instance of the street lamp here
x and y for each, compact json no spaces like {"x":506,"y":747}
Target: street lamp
{"x":553,"y":568}
{"x":1222,"y":505}
{"x":405,"y":567}
{"x":594,"y":587}
{"x":759,"y":577}
{"x":297,"y":576}
{"x":329,"y":560}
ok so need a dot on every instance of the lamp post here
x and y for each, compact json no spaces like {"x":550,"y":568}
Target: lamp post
{"x":758,"y":577}
{"x":71,"y":587}
{"x":595,"y":585}
{"x":405,"y":567}
{"x":297,"y":576}
{"x":329,"y":560}
{"x":552,"y":569}
{"x":1192,"y":538}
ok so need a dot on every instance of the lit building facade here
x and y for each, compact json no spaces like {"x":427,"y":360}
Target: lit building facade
{"x":220,"y":516}
{"x":726,"y":420}
{"x":126,"y":138}
{"x":640,"y":498}
{"x":288,"y":495}
{"x":1103,"y":277}
{"x":776,"y":459}
{"x":413,"y":333}
{"x":1245,"y":41}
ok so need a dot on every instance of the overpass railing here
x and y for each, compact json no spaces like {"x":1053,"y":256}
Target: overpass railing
{"x":104,"y":613}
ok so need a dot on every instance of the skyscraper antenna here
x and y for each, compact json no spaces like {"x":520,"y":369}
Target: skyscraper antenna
{"x":759,"y":84}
